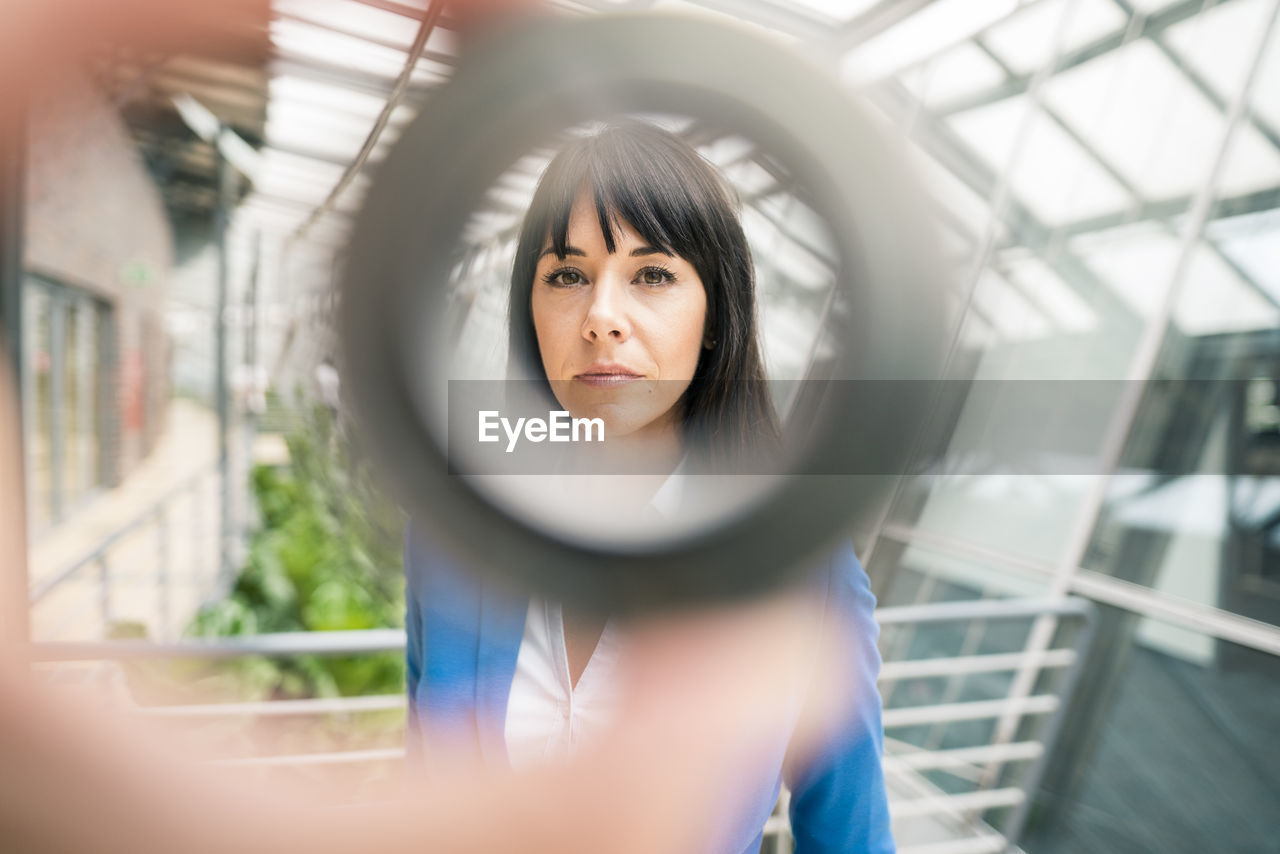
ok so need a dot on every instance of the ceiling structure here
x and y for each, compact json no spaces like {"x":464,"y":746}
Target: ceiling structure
{"x":1066,"y":141}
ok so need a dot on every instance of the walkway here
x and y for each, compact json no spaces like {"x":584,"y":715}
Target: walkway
{"x":158,"y":573}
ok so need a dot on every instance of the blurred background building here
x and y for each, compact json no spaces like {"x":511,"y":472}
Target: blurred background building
{"x":1108,"y":177}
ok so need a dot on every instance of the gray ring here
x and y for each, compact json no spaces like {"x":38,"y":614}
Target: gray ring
{"x":521,"y":88}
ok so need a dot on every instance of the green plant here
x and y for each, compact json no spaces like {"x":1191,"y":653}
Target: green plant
{"x":325,"y":558}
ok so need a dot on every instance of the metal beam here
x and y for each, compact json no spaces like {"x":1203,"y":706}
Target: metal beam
{"x":1019,"y":84}
{"x":1202,"y":86}
{"x":1168,"y":209}
{"x":221,"y":215}
{"x":942,"y":143}
{"x":430,"y":18}
{"x":1117,"y":176}
{"x":332,"y":74}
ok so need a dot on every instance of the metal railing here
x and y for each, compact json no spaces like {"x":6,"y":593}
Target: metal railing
{"x":929,"y":818}
{"x":979,"y":790}
{"x":154,"y":564}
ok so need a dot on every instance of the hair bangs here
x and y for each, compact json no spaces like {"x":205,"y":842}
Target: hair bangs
{"x":668,"y":201}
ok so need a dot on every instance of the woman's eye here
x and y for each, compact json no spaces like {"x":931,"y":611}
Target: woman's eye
{"x":656,"y":276}
{"x":564,"y":278}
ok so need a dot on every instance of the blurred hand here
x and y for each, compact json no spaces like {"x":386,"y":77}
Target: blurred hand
{"x":709,"y":698}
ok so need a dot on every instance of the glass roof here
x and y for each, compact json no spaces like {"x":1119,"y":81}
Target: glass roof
{"x":1065,"y":139}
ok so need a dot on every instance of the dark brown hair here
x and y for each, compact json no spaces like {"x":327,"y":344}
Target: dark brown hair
{"x":677,"y":201}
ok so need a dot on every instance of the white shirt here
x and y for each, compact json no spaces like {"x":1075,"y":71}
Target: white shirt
{"x":547,"y":716}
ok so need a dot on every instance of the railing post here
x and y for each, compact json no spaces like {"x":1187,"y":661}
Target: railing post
{"x":104,"y":591}
{"x":162,"y":556}
{"x":198,"y":544}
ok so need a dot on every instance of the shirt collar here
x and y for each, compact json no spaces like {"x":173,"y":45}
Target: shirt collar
{"x":667,"y":500}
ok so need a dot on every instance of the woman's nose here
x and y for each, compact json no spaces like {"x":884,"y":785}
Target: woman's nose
{"x":607,"y":313}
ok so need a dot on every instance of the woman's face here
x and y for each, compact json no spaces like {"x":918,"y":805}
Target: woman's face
{"x":620,"y":333}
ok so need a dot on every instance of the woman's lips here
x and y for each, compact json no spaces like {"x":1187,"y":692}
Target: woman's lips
{"x":606,"y":379}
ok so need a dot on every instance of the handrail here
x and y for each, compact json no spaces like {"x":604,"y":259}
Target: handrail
{"x":276,"y":643}
{"x":387,"y":640}
{"x":916,"y":668}
{"x":904,"y":765}
{"x":984,"y":609}
{"x":282,"y":708}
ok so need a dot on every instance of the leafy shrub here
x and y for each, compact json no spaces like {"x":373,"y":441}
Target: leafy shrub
{"x":326,"y":558}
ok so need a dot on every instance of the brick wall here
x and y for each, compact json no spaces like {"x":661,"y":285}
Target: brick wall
{"x":96,"y":222}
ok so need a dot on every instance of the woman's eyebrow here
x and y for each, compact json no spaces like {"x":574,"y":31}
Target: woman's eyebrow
{"x":568,"y":250}
{"x":635,"y":253}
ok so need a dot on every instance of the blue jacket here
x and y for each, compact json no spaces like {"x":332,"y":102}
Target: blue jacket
{"x":464,"y":637}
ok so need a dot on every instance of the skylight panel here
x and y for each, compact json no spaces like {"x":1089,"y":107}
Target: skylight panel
{"x":1253,"y":243}
{"x":806,"y":225}
{"x":332,"y":145}
{"x":1215,"y":299}
{"x":1212,"y":44}
{"x":960,"y":71}
{"x":359,"y":20}
{"x":1026,"y":40}
{"x":968,"y":209}
{"x":1138,"y":264}
{"x":289,"y":88}
{"x":939,"y":25}
{"x":292,"y":167}
{"x":295,"y":39}
{"x":293,"y":116}
{"x":1007,"y":310}
{"x":799,"y":264}
{"x":1148,"y":7}
{"x":1045,"y":288}
{"x":787,"y":330}
{"x":1056,"y":178}
{"x":977,"y":334}
{"x":1144,"y":118}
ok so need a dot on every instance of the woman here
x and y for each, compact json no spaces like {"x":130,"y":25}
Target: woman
{"x":632,"y":298}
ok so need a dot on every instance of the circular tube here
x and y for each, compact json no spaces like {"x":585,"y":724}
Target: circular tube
{"x":516,"y":92}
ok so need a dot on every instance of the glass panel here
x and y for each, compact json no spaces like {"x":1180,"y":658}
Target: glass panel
{"x":1175,"y":751}
{"x":1252,"y":244}
{"x":936,"y":27}
{"x":1139,"y":263}
{"x":304,"y":41}
{"x":1047,"y":289}
{"x":960,"y":71}
{"x":357,"y":19}
{"x":1213,"y":44}
{"x":38,"y":393}
{"x":1210,"y":537}
{"x":1053,"y":174}
{"x":1027,"y":39}
{"x":88,"y":476}
{"x":1139,"y":112}
{"x":72,"y":377}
